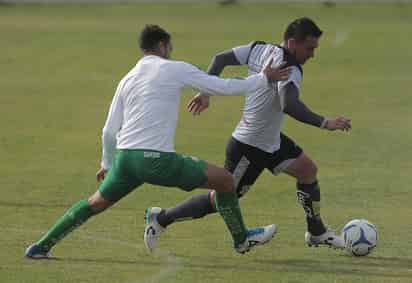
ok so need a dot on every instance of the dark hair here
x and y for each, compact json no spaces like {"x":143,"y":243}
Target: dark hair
{"x":151,"y":36}
{"x":300,"y":29}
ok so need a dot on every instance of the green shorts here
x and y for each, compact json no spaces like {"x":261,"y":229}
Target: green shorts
{"x":132,"y":168}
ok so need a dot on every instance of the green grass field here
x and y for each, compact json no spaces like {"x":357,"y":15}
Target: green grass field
{"x":59,"y":67}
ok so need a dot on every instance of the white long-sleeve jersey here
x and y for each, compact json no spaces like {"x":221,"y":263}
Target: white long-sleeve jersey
{"x":144,"y":110}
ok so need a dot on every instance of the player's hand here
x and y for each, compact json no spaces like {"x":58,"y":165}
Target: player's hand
{"x":198,"y":104}
{"x":279,"y":73}
{"x":101,"y":174}
{"x":340,"y":123}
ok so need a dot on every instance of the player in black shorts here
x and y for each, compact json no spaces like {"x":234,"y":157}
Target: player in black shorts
{"x":257,"y":142}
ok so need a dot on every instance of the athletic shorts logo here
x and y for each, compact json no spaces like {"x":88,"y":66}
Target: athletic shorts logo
{"x":151,"y":154}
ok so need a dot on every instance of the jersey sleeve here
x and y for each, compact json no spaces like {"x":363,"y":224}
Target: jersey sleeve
{"x":295,"y":76}
{"x":111,"y":128}
{"x":193,"y":77}
{"x":242,"y":52}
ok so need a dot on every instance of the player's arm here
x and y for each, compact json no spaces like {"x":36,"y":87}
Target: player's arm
{"x":111,"y":128}
{"x":238,"y":55}
{"x":221,"y":60}
{"x":191,"y":76}
{"x":201,"y":101}
{"x":295,"y":108}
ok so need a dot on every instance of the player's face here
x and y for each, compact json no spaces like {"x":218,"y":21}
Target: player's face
{"x":305,"y":50}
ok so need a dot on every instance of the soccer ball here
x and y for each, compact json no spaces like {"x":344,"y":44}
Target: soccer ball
{"x":360,"y":237}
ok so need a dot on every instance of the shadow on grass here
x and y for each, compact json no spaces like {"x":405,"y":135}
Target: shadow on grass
{"x":383,"y":267}
{"x":106,"y":261}
{"x":368,"y":266}
{"x":387,"y":262}
{"x":387,"y":267}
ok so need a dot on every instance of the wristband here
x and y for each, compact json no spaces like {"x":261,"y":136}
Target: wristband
{"x":324,"y":123}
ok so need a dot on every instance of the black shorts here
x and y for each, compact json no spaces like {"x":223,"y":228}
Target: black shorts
{"x":247,"y":162}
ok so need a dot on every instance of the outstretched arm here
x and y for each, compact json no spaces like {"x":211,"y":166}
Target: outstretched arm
{"x":231,"y":58}
{"x":201,"y":101}
{"x":191,"y":76}
{"x":295,"y":108}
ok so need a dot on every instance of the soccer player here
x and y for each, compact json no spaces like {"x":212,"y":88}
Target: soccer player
{"x":257,"y":142}
{"x":138,"y":142}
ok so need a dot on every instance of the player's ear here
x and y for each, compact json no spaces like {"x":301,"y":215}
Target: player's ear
{"x":291,"y":43}
{"x":162,"y":47}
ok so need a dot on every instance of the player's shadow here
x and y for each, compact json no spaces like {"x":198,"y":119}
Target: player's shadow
{"x":108,"y":261}
{"x":386,"y":262}
{"x":368,"y":266}
{"x":365,"y":266}
{"x":387,"y":267}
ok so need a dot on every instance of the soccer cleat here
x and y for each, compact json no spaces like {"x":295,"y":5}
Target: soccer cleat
{"x":329,"y":238}
{"x":36,"y":252}
{"x":152,"y":229}
{"x":255,"y":237}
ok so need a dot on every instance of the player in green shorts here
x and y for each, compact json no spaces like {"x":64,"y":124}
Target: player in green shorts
{"x":138,"y":143}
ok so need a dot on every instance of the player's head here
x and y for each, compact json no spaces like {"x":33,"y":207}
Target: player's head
{"x":155,"y":40}
{"x":302,"y":38}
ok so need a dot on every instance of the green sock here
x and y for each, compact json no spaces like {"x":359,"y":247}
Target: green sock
{"x":73,"y":218}
{"x":227,"y":204}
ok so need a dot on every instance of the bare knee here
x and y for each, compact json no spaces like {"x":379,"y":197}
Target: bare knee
{"x":219,"y":179}
{"x":308,"y":173}
{"x":227,"y":181}
{"x":303,"y":169}
{"x":97,"y":203}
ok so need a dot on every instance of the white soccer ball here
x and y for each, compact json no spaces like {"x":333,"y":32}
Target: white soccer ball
{"x":360,"y":237}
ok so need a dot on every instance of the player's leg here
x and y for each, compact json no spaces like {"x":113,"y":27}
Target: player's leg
{"x":244,"y":172}
{"x":226,"y":201}
{"x":75,"y":216}
{"x":189,"y":173}
{"x":308,"y":192}
{"x":227,"y":204}
{"x":294,"y":162}
{"x":115,"y":186}
{"x":291,"y":159}
{"x":246,"y":163}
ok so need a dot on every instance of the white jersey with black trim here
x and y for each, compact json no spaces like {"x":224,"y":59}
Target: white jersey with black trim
{"x":263,"y":116}
{"x":144,"y":110}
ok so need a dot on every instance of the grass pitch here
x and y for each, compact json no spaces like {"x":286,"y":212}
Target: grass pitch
{"x":59,"y":68}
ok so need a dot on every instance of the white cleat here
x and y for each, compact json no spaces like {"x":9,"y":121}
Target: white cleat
{"x":256,"y":237}
{"x":152,"y":229}
{"x":329,"y":238}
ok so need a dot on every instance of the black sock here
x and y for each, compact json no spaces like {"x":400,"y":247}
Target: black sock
{"x":309,"y":198}
{"x":195,"y":207}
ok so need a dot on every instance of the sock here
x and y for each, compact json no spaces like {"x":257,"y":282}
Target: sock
{"x":227,"y":205}
{"x":196,"y":206}
{"x":73,"y":218}
{"x":309,"y":198}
